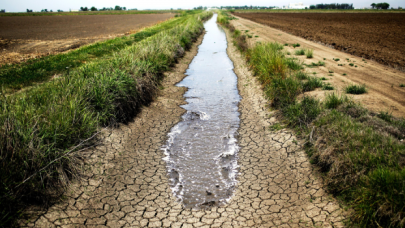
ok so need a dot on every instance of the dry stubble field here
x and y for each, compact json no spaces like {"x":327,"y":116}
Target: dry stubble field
{"x":22,"y":38}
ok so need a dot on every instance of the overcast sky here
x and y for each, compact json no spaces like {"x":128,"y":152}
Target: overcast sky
{"x":37,"y":5}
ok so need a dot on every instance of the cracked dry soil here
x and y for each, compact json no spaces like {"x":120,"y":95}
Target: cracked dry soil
{"x":126,"y":184}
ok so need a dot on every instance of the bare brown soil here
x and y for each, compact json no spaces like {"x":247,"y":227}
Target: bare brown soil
{"x":375,"y":36}
{"x":23,"y":38}
{"x":382,"y":82}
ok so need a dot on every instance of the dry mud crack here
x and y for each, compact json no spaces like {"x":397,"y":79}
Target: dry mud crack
{"x":127,"y":185}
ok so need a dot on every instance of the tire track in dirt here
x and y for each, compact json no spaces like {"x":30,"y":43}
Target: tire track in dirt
{"x":127,"y":184}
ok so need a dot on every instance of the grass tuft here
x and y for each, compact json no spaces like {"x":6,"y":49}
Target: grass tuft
{"x":300,"y":52}
{"x":310,"y":54}
{"x":356,"y":89}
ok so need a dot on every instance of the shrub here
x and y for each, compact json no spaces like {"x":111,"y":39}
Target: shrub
{"x":401,"y":85}
{"x":356,"y":89}
{"x":336,"y":59}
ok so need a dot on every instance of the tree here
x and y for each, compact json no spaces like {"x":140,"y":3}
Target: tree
{"x":373,"y":5}
{"x":84,"y":8}
{"x":312,"y":6}
{"x":44,"y":10}
{"x":117,"y":8}
{"x":124,"y":8}
{"x":93,"y":8}
{"x":60,"y":11}
{"x":382,"y":5}
{"x":29,"y":11}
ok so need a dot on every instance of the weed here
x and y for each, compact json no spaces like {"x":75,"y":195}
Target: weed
{"x":276,"y":127}
{"x":332,"y":100}
{"x":246,"y":30}
{"x":285,"y":44}
{"x":296,"y":45}
{"x":283,"y":92}
{"x":336,"y":59}
{"x":401,"y":85}
{"x":288,"y":53}
{"x":356,"y":89}
{"x":327,"y":86}
{"x":320,"y":63}
{"x":256,"y":36}
{"x":344,"y":74}
{"x":311,"y":84}
{"x":351,"y":64}
{"x":323,"y":79}
{"x":310,"y":54}
{"x":324,"y":58}
{"x":331,"y":71}
{"x":303,"y":113}
{"x":249,"y":36}
{"x":330,"y":74}
{"x":301,"y":75}
{"x":300,"y":52}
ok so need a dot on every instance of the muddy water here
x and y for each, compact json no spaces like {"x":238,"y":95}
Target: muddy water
{"x":201,"y":152}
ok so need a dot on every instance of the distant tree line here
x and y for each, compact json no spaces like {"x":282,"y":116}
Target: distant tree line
{"x":103,"y":9}
{"x":382,"y":5}
{"x":248,"y":7}
{"x":332,"y":6}
{"x":200,"y":8}
{"x":2,"y":11}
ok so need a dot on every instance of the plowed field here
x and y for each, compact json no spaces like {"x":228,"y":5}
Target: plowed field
{"x":27,"y":37}
{"x":375,"y":36}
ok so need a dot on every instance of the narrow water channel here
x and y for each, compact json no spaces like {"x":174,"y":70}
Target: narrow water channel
{"x":201,"y":152}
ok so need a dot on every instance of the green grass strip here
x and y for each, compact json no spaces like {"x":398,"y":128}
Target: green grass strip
{"x":17,"y":76}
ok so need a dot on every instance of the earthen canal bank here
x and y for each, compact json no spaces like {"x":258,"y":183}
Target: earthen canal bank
{"x":127,"y":185}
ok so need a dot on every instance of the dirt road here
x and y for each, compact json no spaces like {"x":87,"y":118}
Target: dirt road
{"x":127,"y":184}
{"x":383,"y":83}
{"x":25,"y":37}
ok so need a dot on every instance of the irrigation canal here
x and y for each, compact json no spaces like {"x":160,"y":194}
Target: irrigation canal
{"x":201,"y":152}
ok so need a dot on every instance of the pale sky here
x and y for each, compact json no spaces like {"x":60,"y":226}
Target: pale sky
{"x":37,"y":5}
